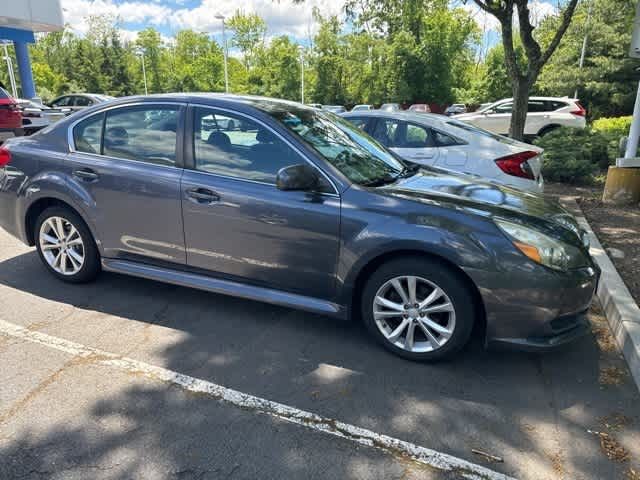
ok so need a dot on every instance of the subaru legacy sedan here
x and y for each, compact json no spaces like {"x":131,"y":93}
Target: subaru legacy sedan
{"x":301,"y":209}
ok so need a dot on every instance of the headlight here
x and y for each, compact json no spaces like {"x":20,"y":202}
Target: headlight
{"x":541,"y":248}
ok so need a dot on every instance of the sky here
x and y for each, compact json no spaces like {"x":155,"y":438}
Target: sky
{"x":282,"y":16}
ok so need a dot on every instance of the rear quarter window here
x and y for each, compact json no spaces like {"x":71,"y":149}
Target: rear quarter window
{"x":87,"y":135}
{"x":554,"y":105}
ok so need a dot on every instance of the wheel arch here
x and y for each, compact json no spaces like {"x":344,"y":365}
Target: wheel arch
{"x":39,"y":206}
{"x":374,"y":263}
{"x":548,"y":128}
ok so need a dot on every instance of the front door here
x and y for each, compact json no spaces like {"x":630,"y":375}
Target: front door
{"x":239,"y":225}
{"x":496,"y":120}
{"x":132,"y":175}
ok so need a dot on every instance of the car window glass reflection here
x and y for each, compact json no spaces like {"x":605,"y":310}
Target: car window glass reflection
{"x":235,"y":146}
{"x":143,"y":134}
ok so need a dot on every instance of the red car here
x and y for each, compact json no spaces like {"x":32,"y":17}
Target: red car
{"x":10,"y":116}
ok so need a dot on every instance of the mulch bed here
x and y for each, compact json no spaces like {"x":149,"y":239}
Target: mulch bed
{"x":616,"y":227}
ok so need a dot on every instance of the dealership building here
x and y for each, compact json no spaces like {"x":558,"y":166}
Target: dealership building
{"x":20,"y":20}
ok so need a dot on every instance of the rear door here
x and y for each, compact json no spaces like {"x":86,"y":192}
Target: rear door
{"x":128,"y":160}
{"x":80,"y":102}
{"x":411,"y":141}
{"x":538,"y":116}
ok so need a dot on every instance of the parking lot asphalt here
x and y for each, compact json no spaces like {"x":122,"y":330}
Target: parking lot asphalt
{"x":571,"y":414}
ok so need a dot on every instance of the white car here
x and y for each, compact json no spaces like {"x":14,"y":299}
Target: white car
{"x":544,"y":114}
{"x":360,"y":107}
{"x":444,"y":142}
{"x":36,"y":116}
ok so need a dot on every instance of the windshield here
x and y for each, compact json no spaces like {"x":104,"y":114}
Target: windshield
{"x":360,"y":158}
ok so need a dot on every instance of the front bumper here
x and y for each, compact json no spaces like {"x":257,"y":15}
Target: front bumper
{"x":577,"y":326}
{"x":538,"y":310}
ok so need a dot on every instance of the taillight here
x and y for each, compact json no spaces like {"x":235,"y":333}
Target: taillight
{"x":581,"y":112}
{"x":5,"y":156}
{"x":517,"y":164}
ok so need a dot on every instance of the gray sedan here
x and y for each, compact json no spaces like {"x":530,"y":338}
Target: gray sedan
{"x":299,"y":209}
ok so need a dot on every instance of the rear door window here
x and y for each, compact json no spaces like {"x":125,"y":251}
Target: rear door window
{"x":82,"y":101}
{"x":142,"y":133}
{"x":536,"y":106}
{"x":415,"y":136}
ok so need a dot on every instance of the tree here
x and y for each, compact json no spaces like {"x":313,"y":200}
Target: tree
{"x":607,"y":82}
{"x":277,"y":73}
{"x":248,"y":34}
{"x":524,"y":75}
{"x":151,"y":43}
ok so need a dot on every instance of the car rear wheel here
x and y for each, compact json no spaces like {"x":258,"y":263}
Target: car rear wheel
{"x":66,"y":246}
{"x":418,"y":308}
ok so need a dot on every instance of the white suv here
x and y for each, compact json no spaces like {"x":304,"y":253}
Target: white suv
{"x":545,"y":114}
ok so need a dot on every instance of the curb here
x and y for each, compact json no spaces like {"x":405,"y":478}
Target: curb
{"x":619,"y":307}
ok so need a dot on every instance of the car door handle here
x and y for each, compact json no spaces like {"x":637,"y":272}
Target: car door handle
{"x":202,"y":196}
{"x":273,"y":219}
{"x":86,"y":174}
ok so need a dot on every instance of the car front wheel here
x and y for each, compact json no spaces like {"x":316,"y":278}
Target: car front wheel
{"x":418,"y":308}
{"x":65,"y":245}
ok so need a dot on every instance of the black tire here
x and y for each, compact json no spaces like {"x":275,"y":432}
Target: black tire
{"x":91,"y":266}
{"x":546,"y":130}
{"x":447,"y":280}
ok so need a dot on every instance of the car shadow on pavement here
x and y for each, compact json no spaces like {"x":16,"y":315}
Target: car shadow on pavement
{"x":532,"y":410}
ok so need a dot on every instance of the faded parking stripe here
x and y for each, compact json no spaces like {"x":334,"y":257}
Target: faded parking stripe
{"x":394,"y":446}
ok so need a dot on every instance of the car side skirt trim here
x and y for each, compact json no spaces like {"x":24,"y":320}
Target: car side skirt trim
{"x":225,"y":287}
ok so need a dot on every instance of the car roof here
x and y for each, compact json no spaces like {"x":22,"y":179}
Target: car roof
{"x":562,"y":99}
{"x":403,"y":115}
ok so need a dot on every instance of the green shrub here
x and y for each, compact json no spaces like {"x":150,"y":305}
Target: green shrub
{"x":573,"y":155}
{"x":613,"y":129}
{"x":618,"y":126}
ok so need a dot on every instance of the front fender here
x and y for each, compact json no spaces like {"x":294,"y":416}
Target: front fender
{"x":464,"y":240}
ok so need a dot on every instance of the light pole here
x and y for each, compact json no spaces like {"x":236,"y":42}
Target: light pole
{"x":584,"y":43}
{"x":12,"y":76}
{"x":140,"y":51}
{"x":219,"y":16}
{"x":301,"y":49}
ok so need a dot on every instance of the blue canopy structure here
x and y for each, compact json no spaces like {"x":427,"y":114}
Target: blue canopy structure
{"x":19,"y":20}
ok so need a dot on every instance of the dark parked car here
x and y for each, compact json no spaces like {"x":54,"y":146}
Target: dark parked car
{"x":301,"y":209}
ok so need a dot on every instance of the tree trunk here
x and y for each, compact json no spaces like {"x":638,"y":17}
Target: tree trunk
{"x":521,"y":88}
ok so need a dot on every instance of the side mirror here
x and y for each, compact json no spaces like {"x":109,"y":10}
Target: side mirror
{"x":297,"y":177}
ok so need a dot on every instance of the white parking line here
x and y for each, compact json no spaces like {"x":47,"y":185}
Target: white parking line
{"x":394,"y":446}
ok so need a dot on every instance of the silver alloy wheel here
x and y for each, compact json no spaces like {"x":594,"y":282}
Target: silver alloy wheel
{"x":414,"y":314}
{"x":61,"y":245}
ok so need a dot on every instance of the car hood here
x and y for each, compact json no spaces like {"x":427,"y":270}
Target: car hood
{"x":485,"y":198}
